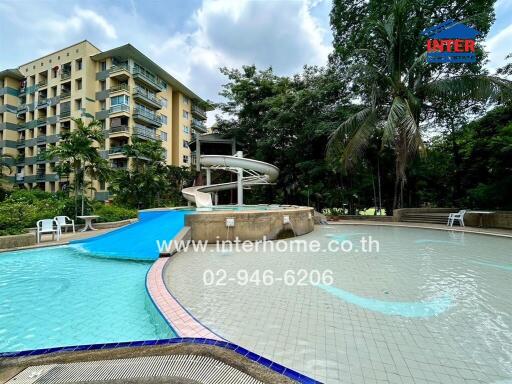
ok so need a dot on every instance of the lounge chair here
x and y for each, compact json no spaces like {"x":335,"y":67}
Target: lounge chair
{"x":65,"y":222}
{"x":459,"y":216}
{"x":48,"y":226}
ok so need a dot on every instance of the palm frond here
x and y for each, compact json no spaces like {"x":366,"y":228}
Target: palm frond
{"x":349,"y":140}
{"x":474,"y":87}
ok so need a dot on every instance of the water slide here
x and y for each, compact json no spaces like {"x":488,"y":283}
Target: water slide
{"x":258,"y":172}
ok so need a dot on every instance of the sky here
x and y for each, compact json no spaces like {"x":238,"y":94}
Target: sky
{"x":191,"y":39}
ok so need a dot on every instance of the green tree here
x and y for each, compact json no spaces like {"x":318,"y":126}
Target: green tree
{"x":399,"y":91}
{"x":79,"y":158}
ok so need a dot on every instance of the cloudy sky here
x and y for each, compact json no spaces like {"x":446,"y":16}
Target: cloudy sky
{"x":193,"y":38}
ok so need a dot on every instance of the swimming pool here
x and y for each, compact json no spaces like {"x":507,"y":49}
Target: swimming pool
{"x":431,"y":306}
{"x":60,"y":296}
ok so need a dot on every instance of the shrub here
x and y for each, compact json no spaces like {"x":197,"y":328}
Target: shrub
{"x":113,"y":213}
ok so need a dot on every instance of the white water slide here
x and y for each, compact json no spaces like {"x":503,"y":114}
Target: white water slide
{"x":250,"y":172}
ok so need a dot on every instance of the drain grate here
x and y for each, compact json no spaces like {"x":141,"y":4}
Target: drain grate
{"x":201,"y":369}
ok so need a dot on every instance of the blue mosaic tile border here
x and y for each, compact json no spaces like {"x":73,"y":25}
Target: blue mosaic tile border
{"x":278,"y":368}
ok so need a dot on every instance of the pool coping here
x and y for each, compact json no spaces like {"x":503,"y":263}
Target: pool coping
{"x":473,"y":230}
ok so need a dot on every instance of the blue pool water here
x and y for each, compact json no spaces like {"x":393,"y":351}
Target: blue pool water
{"x":59,"y":296}
{"x":137,"y":241}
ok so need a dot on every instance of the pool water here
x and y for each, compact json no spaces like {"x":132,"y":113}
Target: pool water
{"x":430,"y":307}
{"x":60,"y":296}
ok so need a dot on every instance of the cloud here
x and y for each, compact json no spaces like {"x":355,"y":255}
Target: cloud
{"x":498,"y":47}
{"x":85,"y":15}
{"x":283,"y":35}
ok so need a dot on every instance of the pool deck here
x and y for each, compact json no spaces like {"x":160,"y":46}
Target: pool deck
{"x":483,"y":231}
{"x":65,"y":238}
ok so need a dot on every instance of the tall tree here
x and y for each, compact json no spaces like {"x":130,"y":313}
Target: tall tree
{"x":398,"y":88}
{"x":78,"y":156}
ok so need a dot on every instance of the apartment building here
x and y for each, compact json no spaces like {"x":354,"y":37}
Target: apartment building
{"x":129,"y":93}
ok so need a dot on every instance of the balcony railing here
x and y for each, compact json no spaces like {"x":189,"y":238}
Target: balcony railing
{"x":199,"y":125}
{"x":147,"y":78}
{"x":119,"y":87}
{"x":119,"y":128}
{"x":42,"y":83}
{"x":119,"y":68}
{"x":145,"y":95}
{"x":20,"y":143}
{"x":41,"y":103}
{"x":40,"y":176}
{"x":41,"y":121}
{"x":22,"y":108}
{"x":119,"y":108}
{"x":41,"y":139}
{"x":64,"y":95}
{"x":116,"y":150}
{"x":154,"y":118}
{"x":65,"y":75}
{"x":19,"y":177}
{"x":65,"y":113}
{"x":198,"y":111}
{"x":146,"y":132}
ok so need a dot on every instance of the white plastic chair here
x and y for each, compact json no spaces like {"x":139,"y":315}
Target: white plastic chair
{"x":65,"y":222}
{"x":48,"y":226}
{"x":459,"y":216}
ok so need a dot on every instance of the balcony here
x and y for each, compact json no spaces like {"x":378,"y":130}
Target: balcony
{"x":119,"y":129}
{"x":145,"y":133}
{"x":20,"y":177}
{"x":151,"y":81}
{"x":143,"y":96}
{"x":147,"y":117}
{"x":199,"y":112}
{"x":116,"y":151}
{"x":41,"y":139}
{"x":198,"y":125}
{"x":42,"y":83}
{"x":119,"y":71}
{"x":65,"y":75}
{"x":40,"y":176}
{"x":119,"y":108}
{"x":40,"y":122}
{"x":65,"y":113}
{"x":42,"y":103}
{"x":119,"y":88}
{"x":20,"y":143}
{"x":64,"y":95}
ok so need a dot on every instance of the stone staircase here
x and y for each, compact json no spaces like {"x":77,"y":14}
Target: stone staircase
{"x":430,"y":218}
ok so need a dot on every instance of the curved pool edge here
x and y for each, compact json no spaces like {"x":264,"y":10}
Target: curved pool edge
{"x":178,"y":318}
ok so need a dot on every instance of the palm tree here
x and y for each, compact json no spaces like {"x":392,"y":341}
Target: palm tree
{"x":399,"y":97}
{"x":78,"y":156}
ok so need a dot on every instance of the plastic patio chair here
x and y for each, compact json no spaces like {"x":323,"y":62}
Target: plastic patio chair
{"x":459,"y":216}
{"x":48,"y":226}
{"x":65,"y":222}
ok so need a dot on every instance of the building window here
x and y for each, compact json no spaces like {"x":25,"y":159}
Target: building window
{"x":163,"y":136}
{"x":185,"y":144}
{"x":186,"y":100}
{"x":78,"y":84}
{"x":164,"y":102}
{"x":185,"y":114}
{"x":103,"y":105}
{"x":78,"y":104}
{"x":103,"y":85}
{"x":78,"y":64}
{"x":121,"y":99}
{"x":185,"y":158}
{"x":164,"y":119}
{"x":103,"y":66}
{"x":186,"y":129}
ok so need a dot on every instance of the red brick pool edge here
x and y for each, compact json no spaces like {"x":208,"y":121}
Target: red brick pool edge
{"x":182,"y":322}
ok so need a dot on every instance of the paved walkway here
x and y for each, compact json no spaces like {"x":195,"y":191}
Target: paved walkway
{"x":64,"y":239}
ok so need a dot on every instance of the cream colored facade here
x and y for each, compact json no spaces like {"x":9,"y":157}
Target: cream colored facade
{"x":130,"y":94}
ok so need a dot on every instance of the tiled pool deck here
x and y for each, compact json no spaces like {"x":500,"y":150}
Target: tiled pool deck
{"x":336,"y":342}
